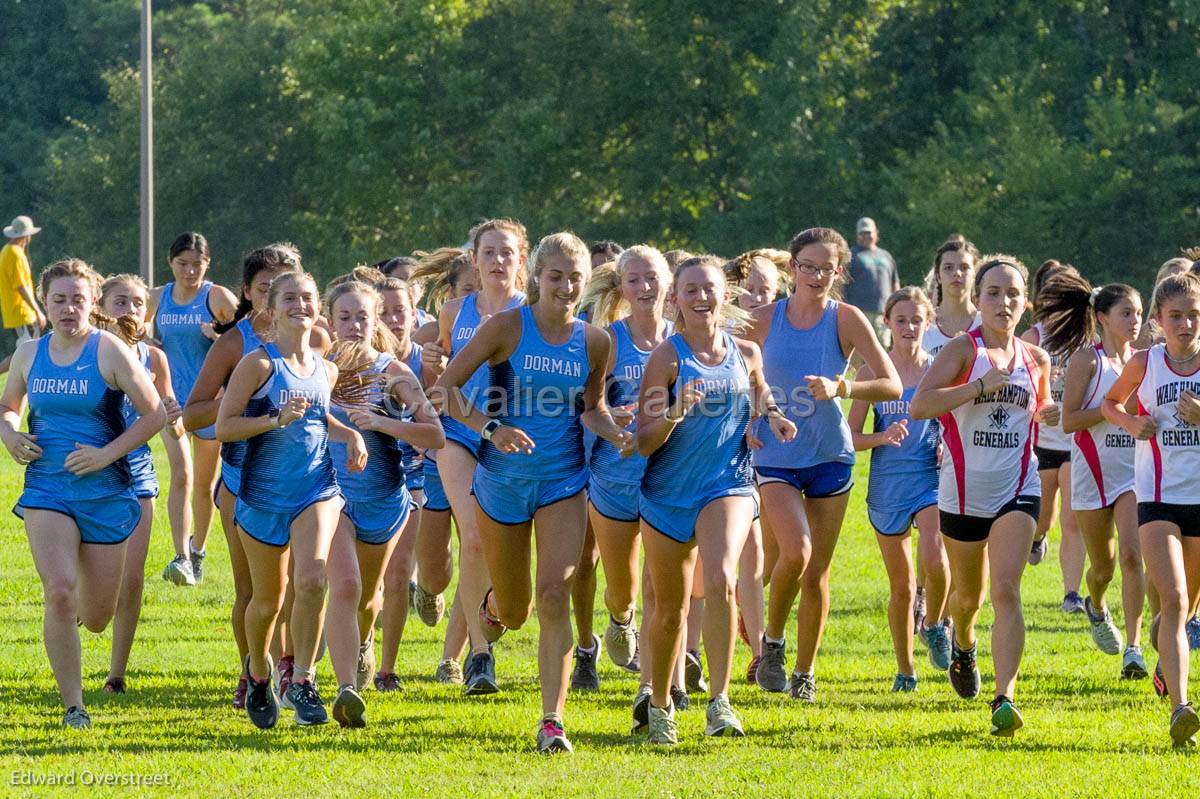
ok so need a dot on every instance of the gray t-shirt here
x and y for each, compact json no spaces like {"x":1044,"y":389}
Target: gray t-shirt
{"x":872,"y":277}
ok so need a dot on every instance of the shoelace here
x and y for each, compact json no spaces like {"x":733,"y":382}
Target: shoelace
{"x":307,"y":692}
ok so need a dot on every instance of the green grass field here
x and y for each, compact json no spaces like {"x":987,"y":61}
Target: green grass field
{"x":1087,"y":733}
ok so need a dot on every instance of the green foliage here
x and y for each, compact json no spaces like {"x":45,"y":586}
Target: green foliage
{"x":366,"y":128}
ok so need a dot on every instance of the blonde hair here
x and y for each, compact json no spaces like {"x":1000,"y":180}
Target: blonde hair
{"x":360,"y":273}
{"x":440,"y":271}
{"x":126,"y":327}
{"x":78,"y":269}
{"x":563,"y":244}
{"x":733,"y":318}
{"x":738,"y":270}
{"x":603,"y":292}
{"x":911,"y":294}
{"x":510,"y":225}
{"x":675,"y":257}
{"x":382,"y":339}
{"x":1175,"y":286}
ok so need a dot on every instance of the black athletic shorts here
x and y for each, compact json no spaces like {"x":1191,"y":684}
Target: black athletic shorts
{"x":961,"y":527}
{"x":1050,"y":459}
{"x":1185,"y":517}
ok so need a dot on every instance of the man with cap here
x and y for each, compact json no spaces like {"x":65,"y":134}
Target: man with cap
{"x":873,"y":276}
{"x":22,"y":316}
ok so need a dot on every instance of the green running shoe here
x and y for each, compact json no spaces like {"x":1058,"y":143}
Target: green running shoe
{"x":1006,"y":719}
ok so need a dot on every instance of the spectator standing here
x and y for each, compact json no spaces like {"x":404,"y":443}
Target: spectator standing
{"x":20,"y":311}
{"x":873,"y":276}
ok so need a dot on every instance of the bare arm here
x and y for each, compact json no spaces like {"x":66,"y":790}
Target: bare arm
{"x":425,"y":429}
{"x":22,"y":446}
{"x":596,"y":415}
{"x":202,"y":405}
{"x":1080,"y":369}
{"x":1113,"y":404}
{"x":250,"y":373}
{"x":494,"y":340}
{"x":942,"y":389}
{"x":162,"y":384}
{"x":854,"y":330}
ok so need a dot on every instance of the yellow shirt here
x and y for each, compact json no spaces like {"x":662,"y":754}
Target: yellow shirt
{"x":14,"y":272}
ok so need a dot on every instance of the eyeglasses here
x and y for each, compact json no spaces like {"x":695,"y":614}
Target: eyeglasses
{"x":823,"y":271}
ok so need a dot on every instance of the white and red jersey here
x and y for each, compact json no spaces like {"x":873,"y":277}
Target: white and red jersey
{"x":1102,"y":455}
{"x":935,"y":338}
{"x":1167,"y":467}
{"x":1052,"y":436}
{"x":988,"y":458}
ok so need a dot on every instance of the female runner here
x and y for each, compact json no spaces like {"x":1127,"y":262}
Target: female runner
{"x":78,"y":503}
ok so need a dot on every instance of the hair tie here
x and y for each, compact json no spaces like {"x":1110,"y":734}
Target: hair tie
{"x":1093,"y":295}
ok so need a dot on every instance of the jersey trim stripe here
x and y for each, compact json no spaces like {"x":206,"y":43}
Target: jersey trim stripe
{"x":1157,"y":456}
{"x":1087,"y":447}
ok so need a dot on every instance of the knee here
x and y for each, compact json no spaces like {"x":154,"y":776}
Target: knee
{"x":719,"y":586}
{"x":1173,"y":603}
{"x":513,"y":615}
{"x":904,"y":589}
{"x":61,"y":602}
{"x":133,"y":583}
{"x":967,"y":601}
{"x":1131,"y":562}
{"x":794,"y":557}
{"x":815,"y":580}
{"x":346,"y":589}
{"x":181,"y":480}
{"x":1102,"y":572}
{"x":670,"y":621}
{"x":1006,"y":592}
{"x":311,"y":583}
{"x":554,"y":600}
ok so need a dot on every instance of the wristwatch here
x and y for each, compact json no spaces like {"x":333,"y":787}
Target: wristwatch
{"x":491,"y":427}
{"x":273,"y":413}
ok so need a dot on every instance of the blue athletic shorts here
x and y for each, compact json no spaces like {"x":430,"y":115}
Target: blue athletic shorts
{"x":897,"y":521}
{"x":231,"y":476}
{"x":109,"y":520}
{"x":815,"y":482}
{"x":145,"y":481}
{"x":375,"y":522}
{"x":270,"y":527}
{"x":207,"y":433}
{"x":679,"y":522}
{"x":459,"y":433}
{"x":435,"y":494}
{"x":414,"y":476}
{"x":514,"y":500}
{"x":617,"y":501}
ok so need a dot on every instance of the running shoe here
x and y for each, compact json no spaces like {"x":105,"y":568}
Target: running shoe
{"x":349,"y":707}
{"x":1072,"y":603}
{"x":1133,"y":667}
{"x":179,"y":571}
{"x":552,"y":739}
{"x":262,"y":707}
{"x":1193,"y":632}
{"x":1038,"y":552}
{"x":1160,"y":680}
{"x":641,"y":709}
{"x":387,"y":681}
{"x":283,"y":680}
{"x":1184,"y":725}
{"x":741,"y":628}
{"x":772,"y":667}
{"x":1006,"y":719}
{"x":307,"y":704}
{"x":430,"y":607}
{"x":635,"y":666}
{"x":621,"y":641}
{"x":114,"y":685}
{"x":937,"y":640}
{"x":752,"y":670}
{"x":492,"y":628}
{"x":1104,"y":631}
{"x":197,"y":558}
{"x":449,"y":672}
{"x":661,"y":723}
{"x":918,"y":607}
{"x":239,"y":694}
{"x":963,"y":672}
{"x":693,"y":672}
{"x":366,"y":663}
{"x":584,"y":676}
{"x":680,"y":698}
{"x":720,"y":719}
{"x":480,"y":675}
{"x":76,"y":718}
{"x":904,"y":684}
{"x":803,"y":687}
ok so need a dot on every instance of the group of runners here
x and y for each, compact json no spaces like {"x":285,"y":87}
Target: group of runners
{"x":687,"y":423}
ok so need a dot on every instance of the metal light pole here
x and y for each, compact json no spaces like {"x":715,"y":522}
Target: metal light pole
{"x":147,"y":170}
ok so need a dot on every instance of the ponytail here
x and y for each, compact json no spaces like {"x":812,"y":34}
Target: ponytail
{"x":280,"y":256}
{"x":439,"y":272}
{"x":603,"y":295}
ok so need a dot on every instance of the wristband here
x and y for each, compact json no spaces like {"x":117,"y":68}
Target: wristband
{"x":843,"y":389}
{"x":982,"y":386}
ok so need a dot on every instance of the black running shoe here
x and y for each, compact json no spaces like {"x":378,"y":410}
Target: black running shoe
{"x":679,"y":698}
{"x":584,"y":676}
{"x":261,"y":704}
{"x":480,"y":675}
{"x":963,"y":673}
{"x":693,"y":672}
{"x":307,"y":703}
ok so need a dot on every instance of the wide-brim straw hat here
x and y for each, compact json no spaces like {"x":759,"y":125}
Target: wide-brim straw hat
{"x":21,"y":227}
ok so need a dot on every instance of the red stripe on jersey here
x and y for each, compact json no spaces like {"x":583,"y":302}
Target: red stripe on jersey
{"x":1154,"y":450}
{"x":1087,"y":448}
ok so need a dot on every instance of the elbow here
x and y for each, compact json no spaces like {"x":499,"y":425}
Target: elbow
{"x":1070,"y":423}
{"x":645,"y":445}
{"x":224,"y":434}
{"x":438,"y":440}
{"x":894,"y":389}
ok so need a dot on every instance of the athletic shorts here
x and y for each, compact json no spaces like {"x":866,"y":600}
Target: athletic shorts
{"x":679,"y":523}
{"x":514,"y":500}
{"x":145,"y":481}
{"x":109,"y":520}
{"x":962,"y":527}
{"x":273,"y":528}
{"x":1185,"y":517}
{"x":206,"y":433}
{"x":1050,"y":459}
{"x":414,"y":476}
{"x":376,"y":521}
{"x":461,"y":434}
{"x":231,"y":476}
{"x":616,"y":501}
{"x":897,"y":521}
{"x":815,"y":482}
{"x":435,"y":494}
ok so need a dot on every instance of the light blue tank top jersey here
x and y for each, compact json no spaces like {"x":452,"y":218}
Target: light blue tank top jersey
{"x":384,"y":475}
{"x":540,"y":390}
{"x":465,"y":325}
{"x":622,"y":387}
{"x":232,"y":452}
{"x":69,"y":404}
{"x":178,"y":328}
{"x":789,"y":354}
{"x":706,"y":455}
{"x":286,"y":470}
{"x":898,"y":474}
{"x":407,"y":452}
{"x":140,"y":460}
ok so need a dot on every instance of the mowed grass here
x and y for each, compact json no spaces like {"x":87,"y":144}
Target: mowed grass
{"x":1087,"y":733}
